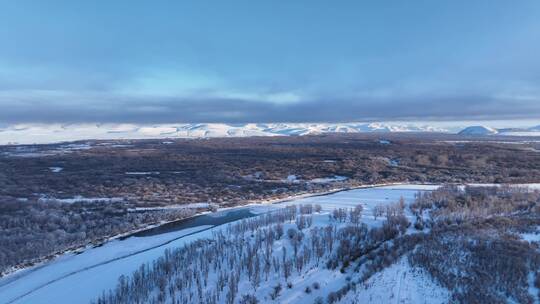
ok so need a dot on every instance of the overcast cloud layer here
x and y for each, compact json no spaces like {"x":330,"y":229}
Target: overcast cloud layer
{"x":234,"y":61}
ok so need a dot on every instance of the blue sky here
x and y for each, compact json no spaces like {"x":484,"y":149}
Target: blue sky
{"x":268,"y":61}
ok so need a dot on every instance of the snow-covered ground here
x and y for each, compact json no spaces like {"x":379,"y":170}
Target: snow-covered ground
{"x":172,"y":207}
{"x":531,"y":186}
{"x":80,"y":198}
{"x":78,"y":278}
{"x":326,"y":180}
{"x":293,"y":179}
{"x":49,"y":284}
{"x":368,"y":197}
{"x":400,"y":284}
{"x":143,"y":173}
{"x":31,"y":151}
{"x":531,"y":237}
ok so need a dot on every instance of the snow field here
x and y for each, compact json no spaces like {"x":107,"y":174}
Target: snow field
{"x":75,"y":280}
{"x":400,"y":284}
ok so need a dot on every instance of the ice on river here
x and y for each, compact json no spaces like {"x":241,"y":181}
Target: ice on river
{"x":72,"y":279}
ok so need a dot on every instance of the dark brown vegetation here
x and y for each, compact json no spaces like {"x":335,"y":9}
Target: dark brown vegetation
{"x":233,"y":170}
{"x":227,"y":171}
{"x":31,"y":230}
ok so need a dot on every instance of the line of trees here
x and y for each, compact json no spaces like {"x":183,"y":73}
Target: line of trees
{"x":31,"y":231}
{"x":235,"y":263}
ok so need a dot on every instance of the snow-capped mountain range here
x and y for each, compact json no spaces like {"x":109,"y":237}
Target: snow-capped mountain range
{"x":49,"y":133}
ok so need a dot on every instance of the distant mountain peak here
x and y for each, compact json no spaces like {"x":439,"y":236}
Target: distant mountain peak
{"x":478,"y":130}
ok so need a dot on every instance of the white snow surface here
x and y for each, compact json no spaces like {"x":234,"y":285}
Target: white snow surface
{"x":50,"y":133}
{"x":182,"y":206}
{"x":478,"y":130}
{"x":326,"y":180}
{"x":531,"y":186}
{"x":400,"y":284}
{"x":531,"y":237}
{"x":521,"y":133}
{"x":82,"y":287}
{"x":80,"y":198}
{"x":34,"y":133}
{"x":143,"y":173}
{"x":485,"y":130}
{"x":291,"y":179}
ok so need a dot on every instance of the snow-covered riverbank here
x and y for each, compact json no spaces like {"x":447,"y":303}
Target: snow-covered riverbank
{"x":78,"y":278}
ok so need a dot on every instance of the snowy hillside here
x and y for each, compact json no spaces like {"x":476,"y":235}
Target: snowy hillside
{"x":298,"y":254}
{"x":485,"y":130}
{"x":478,"y":130}
{"x":533,"y":131}
{"x":399,"y":283}
{"x":349,"y":247}
{"x":51,"y":133}
{"x":297,"y":243}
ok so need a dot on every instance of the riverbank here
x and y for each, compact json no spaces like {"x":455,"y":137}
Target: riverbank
{"x":32,"y":265}
{"x":100,"y":267}
{"x":20,"y":270}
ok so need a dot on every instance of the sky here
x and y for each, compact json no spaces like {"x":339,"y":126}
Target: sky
{"x":268,"y":61}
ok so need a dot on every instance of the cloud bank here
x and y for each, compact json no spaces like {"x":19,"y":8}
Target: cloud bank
{"x":127,"y":109}
{"x":236,"y":62}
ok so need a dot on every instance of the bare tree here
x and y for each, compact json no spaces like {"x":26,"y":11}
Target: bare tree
{"x":378,"y":211}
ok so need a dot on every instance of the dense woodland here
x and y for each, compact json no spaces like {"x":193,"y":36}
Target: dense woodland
{"x":234,"y":170}
{"x":224,"y":172}
{"x":31,"y":230}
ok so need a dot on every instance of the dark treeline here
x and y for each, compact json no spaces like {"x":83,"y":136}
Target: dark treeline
{"x":31,"y":230}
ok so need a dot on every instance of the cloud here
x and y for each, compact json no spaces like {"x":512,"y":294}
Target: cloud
{"x":261,"y":62}
{"x":47,"y":107}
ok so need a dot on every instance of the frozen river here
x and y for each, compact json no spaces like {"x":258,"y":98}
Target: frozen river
{"x":79,"y":278}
